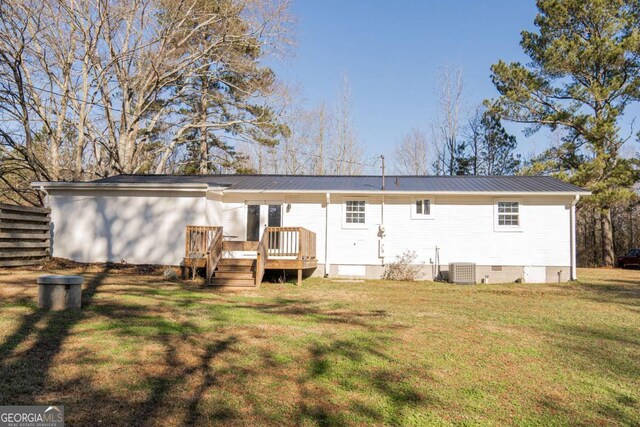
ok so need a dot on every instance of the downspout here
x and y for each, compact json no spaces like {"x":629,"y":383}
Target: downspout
{"x":326,"y":235}
{"x":574,"y":273}
{"x":382,"y":230}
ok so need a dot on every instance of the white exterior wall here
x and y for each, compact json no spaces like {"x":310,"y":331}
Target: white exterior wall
{"x":463,"y":228}
{"x":148,"y":227}
{"x":354,"y":245}
{"x":138,"y":227}
{"x":214,"y":209}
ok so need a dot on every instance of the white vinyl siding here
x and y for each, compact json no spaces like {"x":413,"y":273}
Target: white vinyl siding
{"x":149,"y":227}
{"x":464,"y":232}
{"x":113,"y":226}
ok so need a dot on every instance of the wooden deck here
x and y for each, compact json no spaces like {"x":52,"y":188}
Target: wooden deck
{"x":280,"y":248}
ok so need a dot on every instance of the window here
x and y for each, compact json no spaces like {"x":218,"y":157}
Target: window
{"x":423,"y":207}
{"x":508,"y":214}
{"x":355,"y":211}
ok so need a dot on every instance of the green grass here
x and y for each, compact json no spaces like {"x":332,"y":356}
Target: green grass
{"x":147,"y":352}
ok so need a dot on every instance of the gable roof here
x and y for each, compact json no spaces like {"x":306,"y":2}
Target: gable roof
{"x":334,"y":183}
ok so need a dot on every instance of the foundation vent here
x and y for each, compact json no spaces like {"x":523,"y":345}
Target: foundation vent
{"x":462,"y":272}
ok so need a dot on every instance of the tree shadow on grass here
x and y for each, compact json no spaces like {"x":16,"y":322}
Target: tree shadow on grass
{"x":188,"y":385}
{"x":26,"y":373}
{"x":339,"y":367}
{"x":622,"y":292}
{"x":176,"y":374}
{"x":303,"y":308}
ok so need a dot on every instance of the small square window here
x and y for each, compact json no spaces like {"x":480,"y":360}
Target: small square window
{"x":355,"y":212}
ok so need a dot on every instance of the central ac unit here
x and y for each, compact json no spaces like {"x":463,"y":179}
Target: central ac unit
{"x":462,"y":272}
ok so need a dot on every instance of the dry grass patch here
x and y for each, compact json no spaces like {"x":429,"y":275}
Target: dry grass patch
{"x":144,"y":351}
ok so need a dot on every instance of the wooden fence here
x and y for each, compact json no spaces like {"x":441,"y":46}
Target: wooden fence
{"x":25,"y":235}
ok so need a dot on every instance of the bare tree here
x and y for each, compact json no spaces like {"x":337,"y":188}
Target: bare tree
{"x":446,"y":127}
{"x":411,"y":156}
{"x":93,"y":88}
{"x":321,"y":140}
{"x":318,"y":141}
{"x":300,"y":150}
{"x":475,"y":142}
{"x":347,"y":153}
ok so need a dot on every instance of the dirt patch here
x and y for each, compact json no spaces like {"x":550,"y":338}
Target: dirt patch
{"x":94,"y":267}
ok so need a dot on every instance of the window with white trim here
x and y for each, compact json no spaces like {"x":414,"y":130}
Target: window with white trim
{"x":422,"y":208}
{"x":355,"y":212}
{"x":508,"y":214}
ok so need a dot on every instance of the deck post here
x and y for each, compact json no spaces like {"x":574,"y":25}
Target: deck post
{"x":299,"y":277}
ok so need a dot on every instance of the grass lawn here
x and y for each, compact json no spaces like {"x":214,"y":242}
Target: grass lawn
{"x":148,"y":352}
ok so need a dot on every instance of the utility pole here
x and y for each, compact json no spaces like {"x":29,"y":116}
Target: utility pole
{"x":382,"y":158}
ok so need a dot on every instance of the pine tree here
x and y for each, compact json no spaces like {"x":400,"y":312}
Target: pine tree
{"x":487,"y":148}
{"x":498,"y":148}
{"x":584,"y":72}
{"x":223,"y":95}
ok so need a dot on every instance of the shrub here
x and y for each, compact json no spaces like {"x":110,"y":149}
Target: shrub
{"x":170,"y":274}
{"x":403,"y":268}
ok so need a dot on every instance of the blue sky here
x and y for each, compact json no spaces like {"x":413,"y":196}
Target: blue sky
{"x":391,"y":52}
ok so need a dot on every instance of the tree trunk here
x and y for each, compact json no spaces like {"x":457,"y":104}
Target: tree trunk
{"x":204,"y":152}
{"x":597,"y":239}
{"x":203,"y":167}
{"x":607,"y":237}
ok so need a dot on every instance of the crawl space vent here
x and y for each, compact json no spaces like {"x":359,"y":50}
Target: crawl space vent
{"x":462,"y":272}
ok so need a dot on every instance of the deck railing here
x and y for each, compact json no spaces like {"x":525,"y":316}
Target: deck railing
{"x":291,"y":242}
{"x":262,"y":254}
{"x":198,"y":239}
{"x":307,"y":244}
{"x":214,"y":253}
{"x":198,"y":242}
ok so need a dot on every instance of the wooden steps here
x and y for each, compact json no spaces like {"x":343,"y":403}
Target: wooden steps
{"x":234,"y":275}
{"x":245,"y":283}
{"x":235,"y":272}
{"x":237,"y":262}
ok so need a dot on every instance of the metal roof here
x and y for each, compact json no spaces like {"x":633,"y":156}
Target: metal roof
{"x":361,"y":183}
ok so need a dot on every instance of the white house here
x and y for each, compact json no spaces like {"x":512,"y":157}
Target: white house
{"x":511,"y":228}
